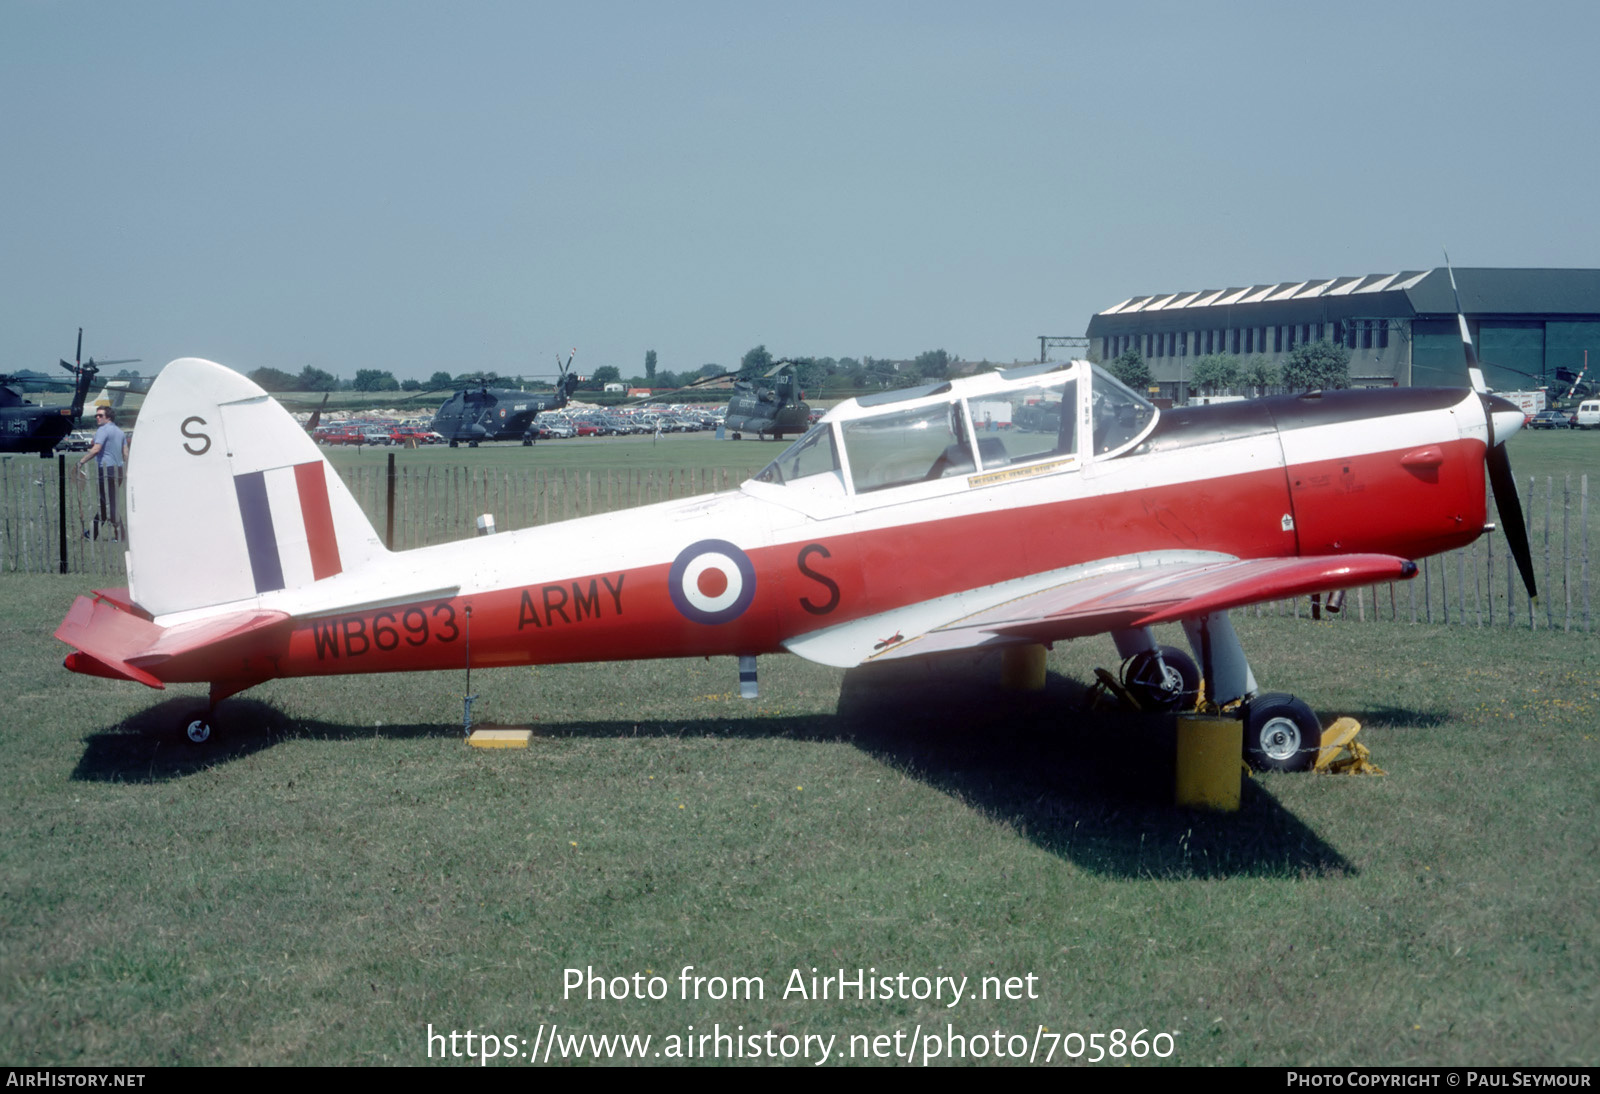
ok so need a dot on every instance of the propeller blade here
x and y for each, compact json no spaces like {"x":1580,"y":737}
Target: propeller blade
{"x":1504,"y":485}
{"x":1466,"y":335}
{"x":1501,"y":481}
{"x":78,"y":357}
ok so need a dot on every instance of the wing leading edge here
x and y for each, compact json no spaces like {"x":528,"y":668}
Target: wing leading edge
{"x":1141,"y":594}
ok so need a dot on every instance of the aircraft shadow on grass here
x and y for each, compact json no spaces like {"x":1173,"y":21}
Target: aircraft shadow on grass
{"x":148,"y":746}
{"x":1090,"y":788}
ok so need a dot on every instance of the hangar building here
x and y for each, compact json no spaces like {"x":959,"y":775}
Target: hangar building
{"x":1401,"y":328}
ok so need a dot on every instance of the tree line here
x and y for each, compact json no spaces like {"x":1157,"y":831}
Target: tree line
{"x":1310,"y":366}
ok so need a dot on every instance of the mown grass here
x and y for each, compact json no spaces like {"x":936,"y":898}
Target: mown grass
{"x":339,"y":871}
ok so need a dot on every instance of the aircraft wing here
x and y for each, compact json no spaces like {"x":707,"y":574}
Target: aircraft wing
{"x":1136,"y":592}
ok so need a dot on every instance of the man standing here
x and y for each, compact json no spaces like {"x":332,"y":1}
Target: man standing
{"x":110,"y":451}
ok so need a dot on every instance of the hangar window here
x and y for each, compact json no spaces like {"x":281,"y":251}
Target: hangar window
{"x":1383,"y":334}
{"x":1366,"y":334}
{"x":1277,"y":339}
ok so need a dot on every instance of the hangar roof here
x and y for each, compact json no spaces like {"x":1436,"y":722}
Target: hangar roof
{"x":1410,"y":292}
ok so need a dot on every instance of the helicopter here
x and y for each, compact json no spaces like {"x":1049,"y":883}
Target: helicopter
{"x":500,"y":414}
{"x":26,"y":426}
{"x":769,"y":411}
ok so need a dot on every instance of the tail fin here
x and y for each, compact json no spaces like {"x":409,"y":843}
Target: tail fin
{"x":229,"y":499}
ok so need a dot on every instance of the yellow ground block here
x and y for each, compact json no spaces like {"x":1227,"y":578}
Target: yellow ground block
{"x":499,"y":738}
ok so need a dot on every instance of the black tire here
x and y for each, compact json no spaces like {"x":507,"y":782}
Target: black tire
{"x":1281,"y":734}
{"x":1176,"y":689}
{"x":453,"y":444}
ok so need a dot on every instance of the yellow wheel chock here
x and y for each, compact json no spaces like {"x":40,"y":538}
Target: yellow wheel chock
{"x":1342,"y":754}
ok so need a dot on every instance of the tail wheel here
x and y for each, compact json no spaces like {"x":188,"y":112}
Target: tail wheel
{"x":1171,"y":682}
{"x":197,"y":731}
{"x":1281,"y":734}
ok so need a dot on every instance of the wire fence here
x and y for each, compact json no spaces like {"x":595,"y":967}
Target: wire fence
{"x":47,"y":526}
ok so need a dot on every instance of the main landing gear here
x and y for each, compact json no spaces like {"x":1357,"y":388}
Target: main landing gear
{"x":1281,"y":733}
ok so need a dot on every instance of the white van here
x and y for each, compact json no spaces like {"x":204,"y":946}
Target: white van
{"x":1588,"y":415}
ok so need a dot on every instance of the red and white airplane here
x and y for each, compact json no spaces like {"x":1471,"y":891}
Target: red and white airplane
{"x":899,"y":526}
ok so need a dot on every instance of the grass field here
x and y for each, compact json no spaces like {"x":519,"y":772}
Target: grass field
{"x":340,"y":872}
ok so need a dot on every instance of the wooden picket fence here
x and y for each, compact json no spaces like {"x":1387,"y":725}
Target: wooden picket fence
{"x":431,"y":505}
{"x":440,"y":504}
{"x":1477,"y":586}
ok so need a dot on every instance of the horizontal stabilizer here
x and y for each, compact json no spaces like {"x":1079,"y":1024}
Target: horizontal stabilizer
{"x":116,"y":642}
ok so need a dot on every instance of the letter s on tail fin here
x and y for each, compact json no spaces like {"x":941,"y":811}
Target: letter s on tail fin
{"x":229,"y":499}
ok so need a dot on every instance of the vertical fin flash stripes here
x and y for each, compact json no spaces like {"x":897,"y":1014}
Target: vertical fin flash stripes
{"x":259,"y":537}
{"x":261,"y":525}
{"x":313,"y":486}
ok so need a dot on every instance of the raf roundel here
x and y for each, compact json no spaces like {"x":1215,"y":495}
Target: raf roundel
{"x":712,"y":581}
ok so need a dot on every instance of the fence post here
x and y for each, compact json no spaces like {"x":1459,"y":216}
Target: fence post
{"x":1566,"y":548}
{"x":388,"y":508}
{"x":1583,"y":569}
{"x":61,"y":506}
{"x":1549,"y":496}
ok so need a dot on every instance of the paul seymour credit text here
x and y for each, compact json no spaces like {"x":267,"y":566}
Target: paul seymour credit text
{"x":910,"y":1041}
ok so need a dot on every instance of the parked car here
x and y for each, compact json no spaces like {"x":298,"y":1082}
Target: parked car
{"x":1550,"y":419}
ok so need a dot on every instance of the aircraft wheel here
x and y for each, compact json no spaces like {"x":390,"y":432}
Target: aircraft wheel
{"x":454,"y":444}
{"x":198,"y":729}
{"x":1281,"y":733}
{"x":472,"y":444}
{"x":526,"y":443}
{"x":1175,"y":689}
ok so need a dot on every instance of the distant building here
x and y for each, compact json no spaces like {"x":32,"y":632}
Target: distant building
{"x":1400,"y":328}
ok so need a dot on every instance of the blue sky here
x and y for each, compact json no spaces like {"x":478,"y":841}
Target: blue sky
{"x":421,"y":186}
